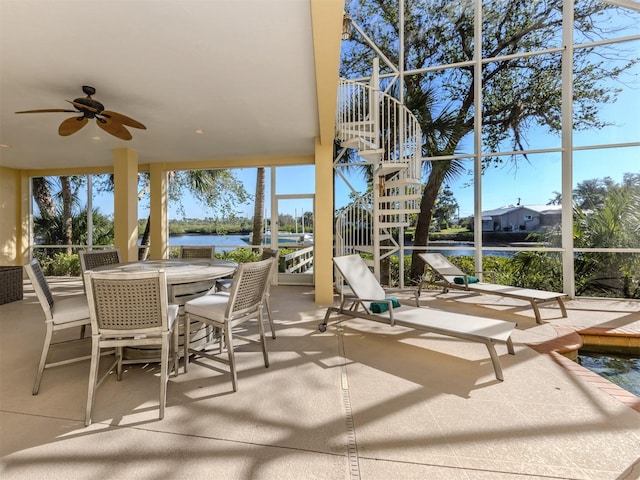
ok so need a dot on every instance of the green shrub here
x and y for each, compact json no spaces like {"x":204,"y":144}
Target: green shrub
{"x":61,"y":265}
{"x":239,"y":255}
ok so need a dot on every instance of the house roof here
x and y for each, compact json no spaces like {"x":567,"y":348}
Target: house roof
{"x":244,"y":71}
{"x":541,"y":209}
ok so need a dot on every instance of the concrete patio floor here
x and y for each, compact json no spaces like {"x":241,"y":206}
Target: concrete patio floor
{"x":361,"y":401}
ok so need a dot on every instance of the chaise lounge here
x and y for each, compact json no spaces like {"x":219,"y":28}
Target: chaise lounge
{"x":448,"y":276}
{"x":367,"y":293}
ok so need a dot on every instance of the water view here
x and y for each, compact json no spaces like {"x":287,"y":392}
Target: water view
{"x":228,"y":242}
{"x":222,"y":242}
{"x":231,"y":242}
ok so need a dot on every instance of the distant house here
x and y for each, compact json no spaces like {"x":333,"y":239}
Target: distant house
{"x":521,"y":218}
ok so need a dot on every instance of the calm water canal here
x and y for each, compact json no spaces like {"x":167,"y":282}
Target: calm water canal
{"x":230,"y":242}
{"x":223,"y":242}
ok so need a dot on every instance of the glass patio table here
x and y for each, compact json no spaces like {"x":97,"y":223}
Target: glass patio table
{"x":187,"y":278}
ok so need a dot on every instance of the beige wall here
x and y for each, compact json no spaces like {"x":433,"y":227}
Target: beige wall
{"x":10,"y":208}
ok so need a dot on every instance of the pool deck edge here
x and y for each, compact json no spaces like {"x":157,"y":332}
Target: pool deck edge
{"x":567,"y":342}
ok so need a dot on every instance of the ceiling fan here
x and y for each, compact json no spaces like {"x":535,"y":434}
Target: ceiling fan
{"x":111,"y":122}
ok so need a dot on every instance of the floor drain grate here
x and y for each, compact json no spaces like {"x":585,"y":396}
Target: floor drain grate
{"x":352,"y":448}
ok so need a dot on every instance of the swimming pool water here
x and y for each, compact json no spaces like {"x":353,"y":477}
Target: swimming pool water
{"x":622,"y":370}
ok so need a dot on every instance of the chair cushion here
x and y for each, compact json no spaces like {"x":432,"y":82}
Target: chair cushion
{"x":224,"y":283}
{"x":70,"y":309}
{"x":172,"y":314}
{"x":211,"y":306}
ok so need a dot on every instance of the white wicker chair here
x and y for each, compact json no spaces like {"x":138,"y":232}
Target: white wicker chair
{"x":226,"y":283}
{"x":130,"y":309}
{"x":69,"y":312}
{"x":198,"y":252}
{"x":226,"y":310}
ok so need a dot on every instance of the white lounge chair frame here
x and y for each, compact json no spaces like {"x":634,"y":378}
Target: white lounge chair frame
{"x":445,"y":272}
{"x":366,"y":288}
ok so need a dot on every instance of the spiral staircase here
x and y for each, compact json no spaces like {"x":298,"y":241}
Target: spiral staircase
{"x":387,"y":137}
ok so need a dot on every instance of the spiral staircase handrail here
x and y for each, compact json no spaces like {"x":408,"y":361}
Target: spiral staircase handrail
{"x":378,"y":121}
{"x":386,"y":135}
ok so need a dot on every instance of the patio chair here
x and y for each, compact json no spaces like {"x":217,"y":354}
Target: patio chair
{"x":448,"y":276}
{"x":368,"y":294}
{"x":69,"y":312}
{"x":227,"y":310}
{"x":91,"y":259}
{"x":197,"y":252}
{"x":130,"y":309}
{"x":226,"y":283}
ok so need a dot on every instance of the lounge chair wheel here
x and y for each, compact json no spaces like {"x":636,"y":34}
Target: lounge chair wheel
{"x":322,"y":327}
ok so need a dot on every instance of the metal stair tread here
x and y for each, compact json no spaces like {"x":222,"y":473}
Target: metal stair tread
{"x":399,"y":198}
{"x":393,"y":224}
{"x":406,"y":211}
{"x":363,"y":248}
{"x":402,"y":182}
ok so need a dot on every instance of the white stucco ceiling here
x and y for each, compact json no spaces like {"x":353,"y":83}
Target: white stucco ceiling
{"x":241,"y":70}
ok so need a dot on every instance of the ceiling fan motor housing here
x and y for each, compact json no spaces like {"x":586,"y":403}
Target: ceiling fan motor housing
{"x":95,"y":107}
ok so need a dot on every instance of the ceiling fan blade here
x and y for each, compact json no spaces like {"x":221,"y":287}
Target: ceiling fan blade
{"x":123,"y":119}
{"x":114,"y":128}
{"x":72,"y":125}
{"x":47,"y":110}
{"x":82,"y":106}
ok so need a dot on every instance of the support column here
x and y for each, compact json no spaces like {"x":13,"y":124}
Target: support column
{"x":477,"y":137}
{"x":323,"y":224}
{"x":568,"y":267}
{"x":125,"y":202}
{"x":158,"y":215}
{"x":326,"y":23}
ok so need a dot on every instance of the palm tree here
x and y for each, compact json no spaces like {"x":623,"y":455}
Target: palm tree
{"x":258,"y":209}
{"x":67,"y":219}
{"x":59,"y":204}
{"x":42,"y":195}
{"x":612,"y":224}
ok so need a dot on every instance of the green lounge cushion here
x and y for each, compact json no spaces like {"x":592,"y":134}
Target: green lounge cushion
{"x":381,"y":307}
{"x":460,"y":280}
